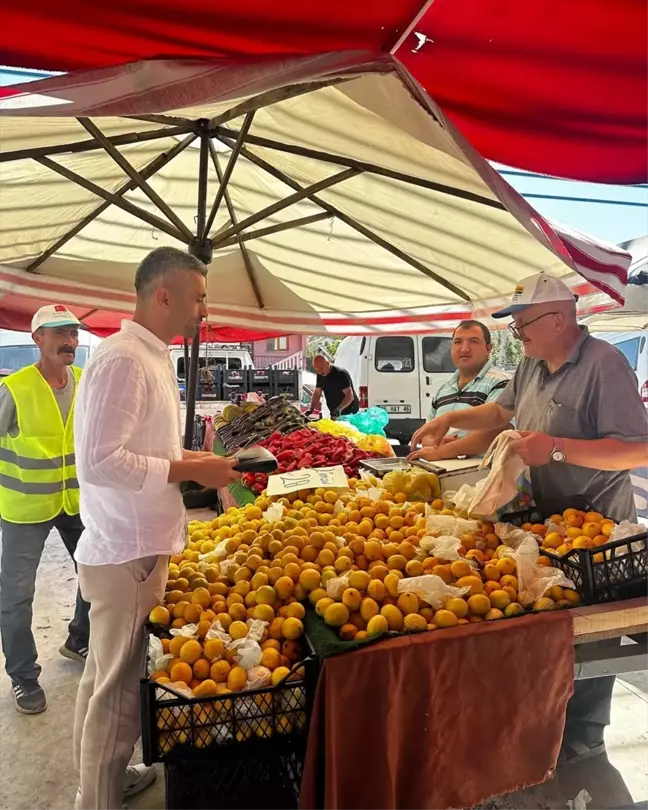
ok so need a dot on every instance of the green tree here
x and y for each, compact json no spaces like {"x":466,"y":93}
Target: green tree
{"x":326,"y":344}
{"x":507,"y":351}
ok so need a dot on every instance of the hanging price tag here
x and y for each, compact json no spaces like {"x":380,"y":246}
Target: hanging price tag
{"x":328,"y":477}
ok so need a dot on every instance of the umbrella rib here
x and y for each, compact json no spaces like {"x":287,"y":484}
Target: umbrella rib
{"x":167,"y":120}
{"x":88,"y":146}
{"x":273,"y":97}
{"x":301,"y":193}
{"x":226,"y":175}
{"x":134,"y":175}
{"x":370,"y":168}
{"x":232,"y":215}
{"x":281,"y":226}
{"x":154,"y":166}
{"x":109,"y":196}
{"x":352,"y":223}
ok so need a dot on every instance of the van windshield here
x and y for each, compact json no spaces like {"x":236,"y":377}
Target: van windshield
{"x":13,"y":358}
{"x":436,"y":355}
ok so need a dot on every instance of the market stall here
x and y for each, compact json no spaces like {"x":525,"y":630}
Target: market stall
{"x":231,"y":672}
{"x":422,"y":629}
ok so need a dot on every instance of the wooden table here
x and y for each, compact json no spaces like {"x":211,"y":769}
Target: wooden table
{"x":609,"y":623}
{"x":610,"y":620}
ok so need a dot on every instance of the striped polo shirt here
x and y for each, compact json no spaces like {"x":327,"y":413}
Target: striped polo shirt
{"x":486,"y":387}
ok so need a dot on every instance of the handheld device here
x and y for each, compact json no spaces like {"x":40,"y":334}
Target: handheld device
{"x":255,"y":460}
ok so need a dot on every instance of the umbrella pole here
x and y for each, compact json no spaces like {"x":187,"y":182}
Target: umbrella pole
{"x":202,"y":249}
{"x":191,"y":386}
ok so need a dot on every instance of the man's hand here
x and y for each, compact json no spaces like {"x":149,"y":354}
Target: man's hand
{"x":433,"y":431}
{"x":194,"y":454}
{"x":534,"y":448}
{"x":426,"y":453}
{"x":215,"y":472}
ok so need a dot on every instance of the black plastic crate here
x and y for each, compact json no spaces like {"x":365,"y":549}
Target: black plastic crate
{"x":252,"y":775}
{"x":285,"y":381}
{"x":175,"y":725}
{"x":609,"y":573}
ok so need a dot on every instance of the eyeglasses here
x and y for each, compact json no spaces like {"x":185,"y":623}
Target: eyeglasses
{"x":516,"y":331}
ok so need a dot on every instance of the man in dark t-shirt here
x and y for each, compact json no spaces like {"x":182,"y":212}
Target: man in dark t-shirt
{"x":337,"y":387}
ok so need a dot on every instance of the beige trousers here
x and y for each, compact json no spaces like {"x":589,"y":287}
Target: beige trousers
{"x":107,"y":718}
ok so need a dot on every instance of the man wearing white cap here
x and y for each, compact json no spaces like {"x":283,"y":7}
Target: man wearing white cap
{"x":38,"y":491}
{"x":576,"y":402}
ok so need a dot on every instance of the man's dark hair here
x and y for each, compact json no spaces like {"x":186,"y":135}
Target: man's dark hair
{"x":470,"y":324}
{"x":164,"y":260}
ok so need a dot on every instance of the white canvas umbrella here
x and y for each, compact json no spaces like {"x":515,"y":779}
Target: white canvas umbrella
{"x":330,"y":194}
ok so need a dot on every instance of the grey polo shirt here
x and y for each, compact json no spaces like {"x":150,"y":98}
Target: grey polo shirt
{"x":594,"y":395}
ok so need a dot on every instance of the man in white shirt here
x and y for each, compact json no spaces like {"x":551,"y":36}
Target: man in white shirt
{"x":130,"y":463}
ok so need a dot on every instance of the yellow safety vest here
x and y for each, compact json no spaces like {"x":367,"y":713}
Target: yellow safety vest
{"x":37,"y":468}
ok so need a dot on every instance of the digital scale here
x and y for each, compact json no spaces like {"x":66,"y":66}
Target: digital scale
{"x":453,"y":473}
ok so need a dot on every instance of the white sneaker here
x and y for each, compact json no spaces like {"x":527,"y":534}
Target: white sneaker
{"x":137,"y":779}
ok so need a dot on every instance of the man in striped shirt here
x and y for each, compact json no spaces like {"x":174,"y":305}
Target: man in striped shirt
{"x":475,"y":382}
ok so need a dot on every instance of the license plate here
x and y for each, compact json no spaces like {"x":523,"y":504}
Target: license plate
{"x":398,"y":408}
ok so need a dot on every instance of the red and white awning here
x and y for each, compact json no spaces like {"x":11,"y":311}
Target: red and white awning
{"x":403,"y":226}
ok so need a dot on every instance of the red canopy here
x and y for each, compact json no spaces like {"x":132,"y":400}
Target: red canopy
{"x":553,"y":87}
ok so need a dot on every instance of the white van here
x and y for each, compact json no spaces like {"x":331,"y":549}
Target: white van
{"x":635,"y":348}
{"x":400,"y":373}
{"x":17,"y":350}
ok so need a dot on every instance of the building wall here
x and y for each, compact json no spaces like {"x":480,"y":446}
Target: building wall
{"x":264,"y":354}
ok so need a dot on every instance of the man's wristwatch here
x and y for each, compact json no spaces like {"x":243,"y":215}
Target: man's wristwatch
{"x":558,"y":452}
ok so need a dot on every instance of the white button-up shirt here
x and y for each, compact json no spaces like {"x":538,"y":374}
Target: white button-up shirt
{"x":127,"y":431}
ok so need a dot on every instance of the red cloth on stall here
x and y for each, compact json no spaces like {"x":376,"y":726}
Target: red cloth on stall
{"x":443,"y":719}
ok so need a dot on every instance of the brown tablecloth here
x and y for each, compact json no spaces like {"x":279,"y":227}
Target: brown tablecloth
{"x":443,"y":719}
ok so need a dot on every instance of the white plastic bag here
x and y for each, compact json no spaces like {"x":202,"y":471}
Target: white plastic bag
{"x":274,"y":513}
{"x":511,"y":535}
{"x":533,"y":580}
{"x":248,"y":652}
{"x":463,"y":497}
{"x":449,"y":525}
{"x":187,"y":631}
{"x":157,"y":659}
{"x":336,"y":587}
{"x":624,"y":530}
{"x":430,"y":588}
{"x":580,"y":802}
{"x":560,"y":528}
{"x":445,"y":547}
{"x":220,"y":551}
{"x":218,"y":631}
{"x":501,"y":484}
{"x":255,"y":629}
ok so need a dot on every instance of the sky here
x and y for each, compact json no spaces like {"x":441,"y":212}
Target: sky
{"x":607,"y":221}
{"x":612,"y":223}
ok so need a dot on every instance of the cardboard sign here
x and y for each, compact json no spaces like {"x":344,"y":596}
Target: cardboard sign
{"x":327,"y":477}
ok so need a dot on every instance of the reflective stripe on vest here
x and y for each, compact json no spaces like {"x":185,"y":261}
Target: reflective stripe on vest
{"x":37,"y":468}
{"x":36,"y":463}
